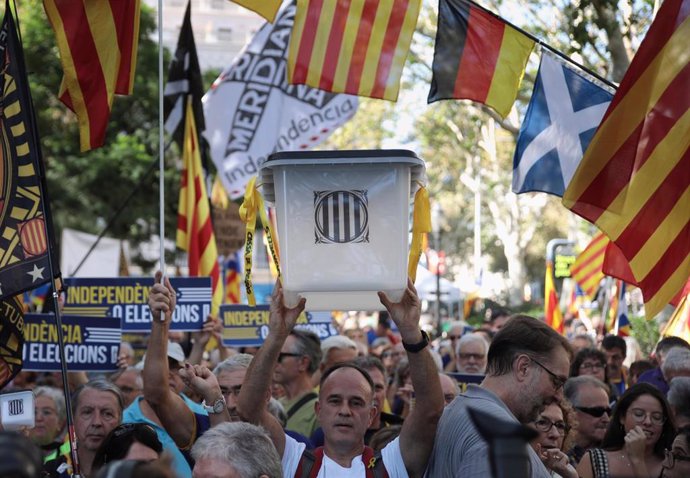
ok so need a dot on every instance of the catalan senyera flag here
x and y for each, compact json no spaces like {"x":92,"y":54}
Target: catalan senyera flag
{"x":265,"y":8}
{"x":634,"y":180}
{"x":477,"y":57}
{"x":587,"y":268}
{"x":194,"y":228}
{"x":357,"y":47}
{"x":552,"y":311}
{"x":679,"y":323}
{"x":98,"y":42}
{"x":233,"y":279}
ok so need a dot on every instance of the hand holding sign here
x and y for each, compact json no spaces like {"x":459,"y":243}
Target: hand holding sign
{"x":282,"y":319}
{"x":162,"y":299}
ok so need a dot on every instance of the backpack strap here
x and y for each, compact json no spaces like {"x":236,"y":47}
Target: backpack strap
{"x":373,"y":463}
{"x":305,"y":398}
{"x":309,"y":463}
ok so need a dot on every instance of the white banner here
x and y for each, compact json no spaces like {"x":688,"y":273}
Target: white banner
{"x":251,"y":111}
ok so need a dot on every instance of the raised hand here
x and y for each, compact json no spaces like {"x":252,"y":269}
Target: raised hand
{"x":162,"y":299}
{"x":406,"y":312}
{"x":282,"y":319}
{"x":200,"y":379}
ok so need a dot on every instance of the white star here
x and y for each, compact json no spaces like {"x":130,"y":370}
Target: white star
{"x":37,"y":273}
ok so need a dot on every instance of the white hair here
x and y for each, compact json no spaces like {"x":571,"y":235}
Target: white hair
{"x":472,"y":338}
{"x":677,"y":360}
{"x":336,"y":342}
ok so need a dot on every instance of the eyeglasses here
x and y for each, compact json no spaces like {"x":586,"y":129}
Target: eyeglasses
{"x":638,"y":416}
{"x":122,"y":436}
{"x":282,"y":355}
{"x":543,"y":424}
{"x":557,"y":381}
{"x":592,"y":366}
{"x":127,"y":428}
{"x":462,"y":356}
{"x":595,"y":411}
{"x":672,"y":457}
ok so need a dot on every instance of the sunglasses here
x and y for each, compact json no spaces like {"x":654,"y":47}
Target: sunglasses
{"x":595,"y":411}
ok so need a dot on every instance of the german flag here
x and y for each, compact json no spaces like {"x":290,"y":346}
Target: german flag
{"x":552,"y":312}
{"x":98,"y":41}
{"x":194,"y":229}
{"x":634,"y":180}
{"x":357,"y":47}
{"x":587,"y":268}
{"x":477,"y":57}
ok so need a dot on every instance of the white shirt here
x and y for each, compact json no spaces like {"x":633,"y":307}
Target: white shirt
{"x":392,"y":460}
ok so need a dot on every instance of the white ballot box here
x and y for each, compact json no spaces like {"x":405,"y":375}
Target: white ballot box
{"x":343,"y":223}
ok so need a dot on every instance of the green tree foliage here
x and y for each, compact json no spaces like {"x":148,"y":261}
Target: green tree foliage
{"x":86,"y":189}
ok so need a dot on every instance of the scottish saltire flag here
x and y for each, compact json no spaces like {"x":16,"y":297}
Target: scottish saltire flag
{"x":565,"y":109}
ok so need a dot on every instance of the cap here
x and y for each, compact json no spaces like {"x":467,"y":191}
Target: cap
{"x":175,"y":352}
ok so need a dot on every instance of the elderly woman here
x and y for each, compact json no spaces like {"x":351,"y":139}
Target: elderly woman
{"x":592,"y":362}
{"x":49,"y":409}
{"x":640,"y":431}
{"x":676,"y":463}
{"x":554,"y":424}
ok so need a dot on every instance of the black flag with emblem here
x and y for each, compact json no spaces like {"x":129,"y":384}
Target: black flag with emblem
{"x":24,"y":212}
{"x":184,"y":79}
{"x":11,"y":338}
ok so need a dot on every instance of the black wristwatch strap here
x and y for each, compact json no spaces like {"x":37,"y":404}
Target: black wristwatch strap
{"x":414,"y":348}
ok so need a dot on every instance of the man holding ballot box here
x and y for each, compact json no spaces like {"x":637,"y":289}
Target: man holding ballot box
{"x":345,"y":406}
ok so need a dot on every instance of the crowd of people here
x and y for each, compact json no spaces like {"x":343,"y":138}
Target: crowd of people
{"x":389,"y":401}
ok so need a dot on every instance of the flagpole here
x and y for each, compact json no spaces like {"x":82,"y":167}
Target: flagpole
{"x":40,"y":172}
{"x":161,"y":143}
{"x":547,"y":46}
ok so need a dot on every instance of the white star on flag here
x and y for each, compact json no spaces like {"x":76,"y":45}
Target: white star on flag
{"x":36,"y":273}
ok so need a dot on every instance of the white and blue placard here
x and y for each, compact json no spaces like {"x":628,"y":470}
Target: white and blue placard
{"x":127,"y":298}
{"x":245,"y":326}
{"x":91,"y":343}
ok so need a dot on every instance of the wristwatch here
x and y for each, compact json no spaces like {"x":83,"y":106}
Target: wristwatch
{"x":414,"y":348}
{"x":217,"y":407}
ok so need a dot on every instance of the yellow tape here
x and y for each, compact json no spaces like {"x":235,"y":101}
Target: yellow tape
{"x":253,"y":202}
{"x":421,"y":224}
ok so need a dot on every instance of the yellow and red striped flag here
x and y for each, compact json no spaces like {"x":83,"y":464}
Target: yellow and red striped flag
{"x":194,"y":228}
{"x":634,"y":180}
{"x":679,"y":323}
{"x":265,"y":8}
{"x":357,"y":46}
{"x":552,"y":312}
{"x":98,"y":41}
{"x":587,"y":268}
{"x":233,"y":279}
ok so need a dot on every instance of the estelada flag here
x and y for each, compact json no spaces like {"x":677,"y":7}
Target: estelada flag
{"x":587,"y":268}
{"x":634,"y":180}
{"x":552,"y":312}
{"x":357,"y":47}
{"x":477,"y":57}
{"x":11,"y":337}
{"x":98,"y":41}
{"x":24,"y":210}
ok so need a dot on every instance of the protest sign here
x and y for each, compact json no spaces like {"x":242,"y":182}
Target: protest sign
{"x":245,"y":326}
{"x":91,"y":343}
{"x":127,"y":298}
{"x":465,"y":379}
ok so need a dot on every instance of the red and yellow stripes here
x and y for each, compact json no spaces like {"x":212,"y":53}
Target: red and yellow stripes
{"x":357,"y":47}
{"x":477,"y":57}
{"x":194,"y":228}
{"x":552,"y":312}
{"x":587,"y":268}
{"x":679,"y":323}
{"x":634,"y":180}
{"x":98,"y":42}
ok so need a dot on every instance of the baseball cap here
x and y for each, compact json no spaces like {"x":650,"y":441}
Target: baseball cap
{"x":175,"y":352}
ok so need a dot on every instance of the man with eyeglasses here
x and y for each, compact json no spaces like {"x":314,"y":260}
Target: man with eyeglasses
{"x":527,"y":365}
{"x":470,"y":354}
{"x":589,"y":398}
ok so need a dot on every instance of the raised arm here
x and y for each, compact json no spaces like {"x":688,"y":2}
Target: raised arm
{"x":418,"y":432}
{"x":256,"y":389}
{"x":177,"y":419}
